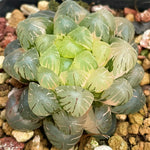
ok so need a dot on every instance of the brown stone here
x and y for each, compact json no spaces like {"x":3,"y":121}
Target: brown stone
{"x":146,"y":64}
{"x":141,"y":145}
{"x":136,"y":147}
{"x":36,"y":144}
{"x":121,"y":117}
{"x":144,"y":130}
{"x":132,"y":140}
{"x":6,"y":128}
{"x":3,"y":101}
{"x":148,"y":137}
{"x":122,"y":128}
{"x":15,"y":18}
{"x":148,"y":102}
{"x":136,"y":118}
{"x":1,"y":133}
{"x":147,"y":122}
{"x":1,"y":122}
{"x":144,"y":111}
{"x":4,"y":89}
{"x":130,"y":17}
{"x":133,"y":129}
{"x":147,"y":146}
{"x":117,"y":143}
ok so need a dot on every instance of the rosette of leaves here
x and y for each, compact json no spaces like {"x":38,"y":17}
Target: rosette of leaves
{"x":78,"y":72}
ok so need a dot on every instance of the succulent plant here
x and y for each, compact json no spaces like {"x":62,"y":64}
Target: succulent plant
{"x":79,"y":70}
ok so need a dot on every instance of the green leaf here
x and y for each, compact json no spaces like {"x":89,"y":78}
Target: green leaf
{"x":82,"y":36}
{"x":71,"y":9}
{"x":124,"y":57}
{"x":65,"y":64}
{"x":133,"y":105}
{"x":44,"y":103}
{"x":84,"y":61}
{"x":103,"y":118}
{"x":9,"y":62}
{"x":67,"y":123}
{"x":15,"y":117}
{"x":74,"y":77}
{"x":44,"y":14}
{"x":75,"y":100}
{"x":99,"y":80}
{"x":63,"y":25}
{"x":110,"y":132}
{"x":11,"y":47}
{"x":24,"y":108}
{"x":26,"y":66}
{"x":98,"y":120}
{"x":43,"y":42}
{"x":135,"y":75}
{"x":90,"y":122}
{"x":58,"y":138}
{"x":51,"y":59}
{"x":101,"y":24}
{"x":118,"y":93}
{"x":124,"y":29}
{"x":47,"y":78}
{"x":67,"y":47}
{"x":29,"y":29}
{"x":102,"y":52}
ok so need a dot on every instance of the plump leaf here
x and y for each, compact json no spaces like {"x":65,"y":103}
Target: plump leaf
{"x":124,"y":57}
{"x":75,"y":100}
{"x":51,"y":59}
{"x":90,"y":122}
{"x":13,"y":116}
{"x":67,"y":123}
{"x":99,"y":80}
{"x":135,"y":75}
{"x":64,"y":24}
{"x":43,"y":42}
{"x":103,"y":118}
{"x":30,"y":28}
{"x":74,"y":77}
{"x":82,"y":36}
{"x":111,"y":130}
{"x":84,"y":61}
{"x":44,"y":14}
{"x":47,"y":78}
{"x":58,"y":138}
{"x":24,"y":108}
{"x":44,"y":103}
{"x":124,"y":29}
{"x":65,"y":64}
{"x":9,"y":62}
{"x":133,"y":105}
{"x":27,"y":64}
{"x":11,"y":47}
{"x":67,"y":47}
{"x":101,"y":51}
{"x":118,"y":93}
{"x":98,"y":120}
{"x":71,"y":9}
{"x":101,"y":24}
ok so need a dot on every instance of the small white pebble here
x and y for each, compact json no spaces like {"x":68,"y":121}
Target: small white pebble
{"x":1,"y":61}
{"x":21,"y":136}
{"x":8,"y":15}
{"x":103,"y":147}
